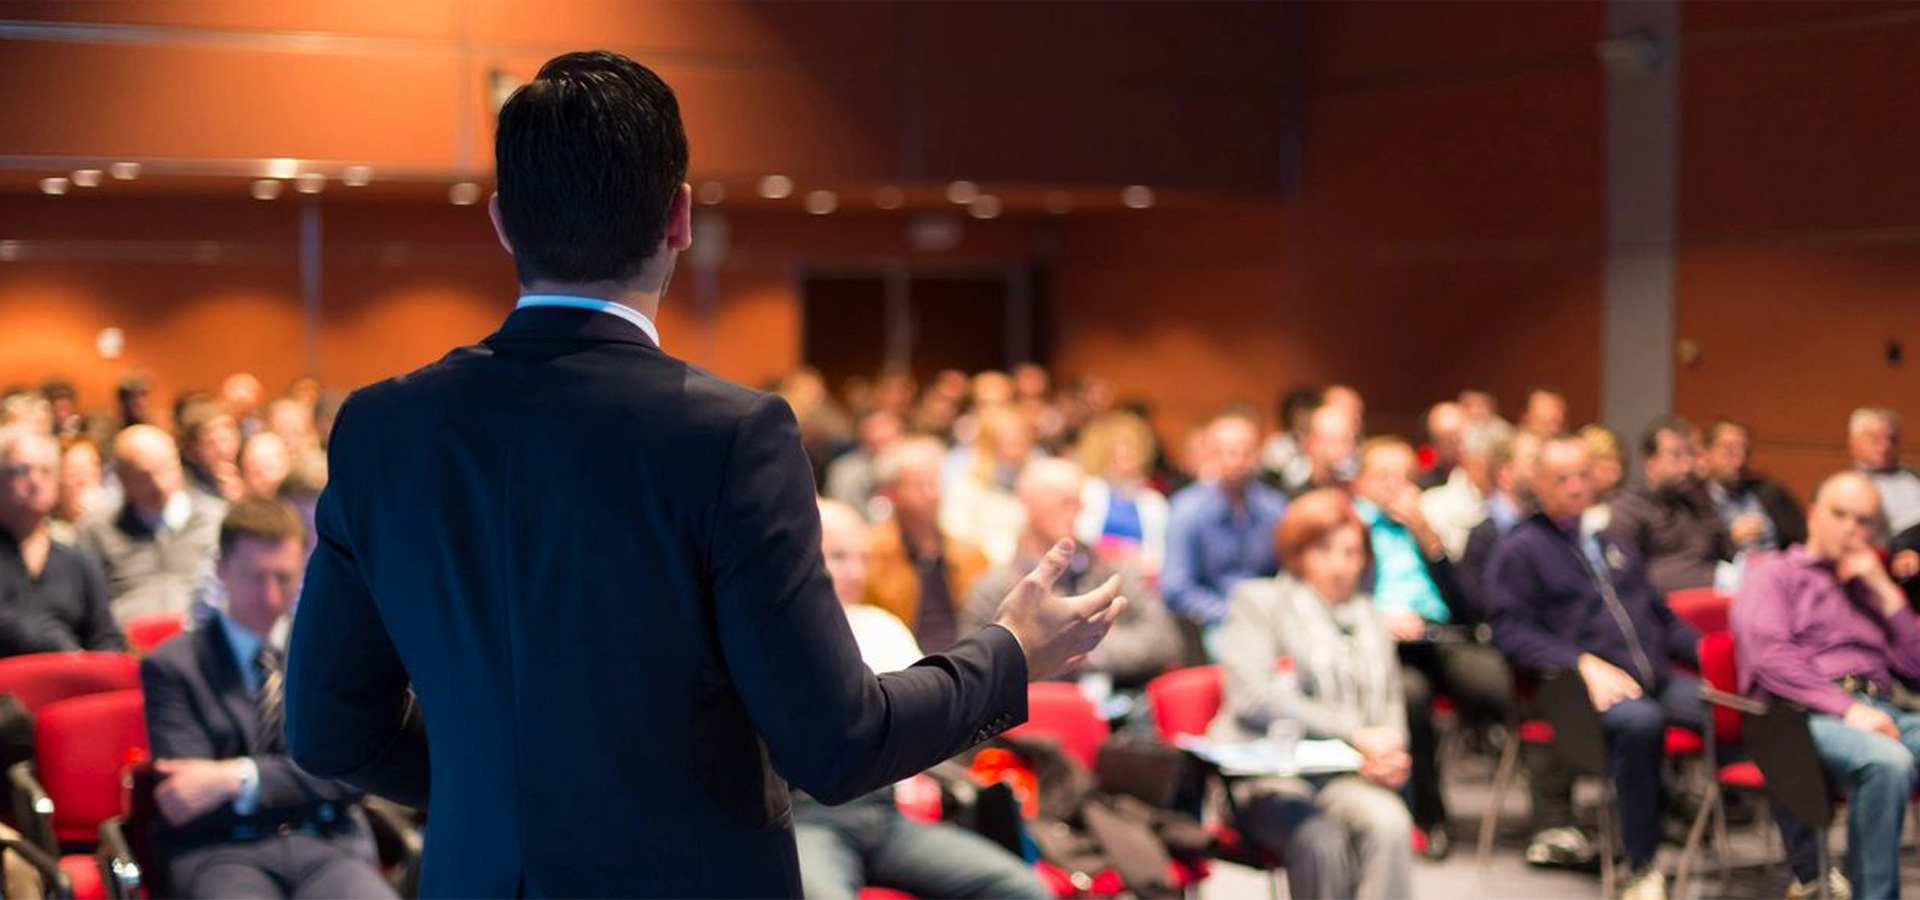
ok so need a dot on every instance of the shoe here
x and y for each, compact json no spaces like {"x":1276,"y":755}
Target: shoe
{"x":1434,"y":843}
{"x":1649,"y":884}
{"x":1837,"y":887}
{"x":1563,"y":847}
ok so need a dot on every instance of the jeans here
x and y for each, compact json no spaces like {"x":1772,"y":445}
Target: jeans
{"x":868,"y":842}
{"x":1636,"y":733}
{"x":1878,"y":775}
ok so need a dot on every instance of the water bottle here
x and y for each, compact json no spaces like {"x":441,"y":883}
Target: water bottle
{"x":1283,"y":730}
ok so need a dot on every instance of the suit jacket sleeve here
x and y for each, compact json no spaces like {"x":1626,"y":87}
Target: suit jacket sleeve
{"x":174,"y":730}
{"x":349,"y":708}
{"x":830,"y":725}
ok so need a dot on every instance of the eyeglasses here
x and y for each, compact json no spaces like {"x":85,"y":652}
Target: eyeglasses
{"x":22,"y":470}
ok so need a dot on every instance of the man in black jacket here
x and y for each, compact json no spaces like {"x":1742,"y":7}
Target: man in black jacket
{"x":52,"y":597}
{"x":239,"y":819}
{"x":568,"y":589}
{"x":1759,"y":513}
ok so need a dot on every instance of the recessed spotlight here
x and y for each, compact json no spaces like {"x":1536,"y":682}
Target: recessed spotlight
{"x":985,"y":206}
{"x":282,"y":167}
{"x":962,"y":192}
{"x":310,"y":182}
{"x":822,"y":202}
{"x":87,"y":177}
{"x":56,"y":185}
{"x":125,"y":171}
{"x":265,"y":189}
{"x":776,"y":187}
{"x":1137,"y":196}
{"x":9,"y":251}
{"x":466,"y":193}
{"x":1058,"y":202}
{"x":712,"y":192}
{"x":889,"y":197}
{"x":356,"y":176}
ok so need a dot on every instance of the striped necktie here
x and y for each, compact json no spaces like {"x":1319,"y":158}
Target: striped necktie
{"x":270,"y":665}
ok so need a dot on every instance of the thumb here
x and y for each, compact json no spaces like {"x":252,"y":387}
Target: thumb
{"x":1053,"y":564}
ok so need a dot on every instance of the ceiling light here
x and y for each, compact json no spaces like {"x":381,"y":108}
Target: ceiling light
{"x":466,"y":193}
{"x":265,"y":189}
{"x":356,"y":176}
{"x":310,"y":182}
{"x":87,"y":177}
{"x":282,"y":167}
{"x":822,"y":202}
{"x":56,"y":185}
{"x":712,"y":192}
{"x":985,"y":206}
{"x":1137,"y":196}
{"x":9,"y":251}
{"x":889,"y":197}
{"x":962,"y":192}
{"x":125,"y":171}
{"x":776,"y":187}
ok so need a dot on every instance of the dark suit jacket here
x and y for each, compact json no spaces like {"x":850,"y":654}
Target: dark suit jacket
{"x":599,"y":570}
{"x":198,"y":707}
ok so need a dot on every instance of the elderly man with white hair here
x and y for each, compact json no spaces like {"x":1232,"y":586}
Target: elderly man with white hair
{"x":1455,"y":507}
{"x":52,"y":598}
{"x":1873,"y":440}
{"x":160,"y":540}
{"x":1145,"y":640}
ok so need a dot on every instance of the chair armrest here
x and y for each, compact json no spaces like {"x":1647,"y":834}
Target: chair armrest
{"x":119,"y":868}
{"x":56,"y":881}
{"x":1734,"y":702}
{"x":32,"y":808}
{"x":399,"y":843}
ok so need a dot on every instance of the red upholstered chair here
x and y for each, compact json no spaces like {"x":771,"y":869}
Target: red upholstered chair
{"x":1184,"y":701}
{"x":1703,"y":608}
{"x":148,"y":632}
{"x":38,"y":679}
{"x":1058,"y":710}
{"x":83,"y":747}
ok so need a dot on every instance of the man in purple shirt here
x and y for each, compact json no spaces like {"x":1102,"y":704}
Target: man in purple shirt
{"x":1823,"y":625}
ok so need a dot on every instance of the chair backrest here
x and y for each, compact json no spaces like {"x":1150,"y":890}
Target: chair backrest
{"x":1717,"y":667}
{"x":82,"y":746}
{"x":1578,"y":738}
{"x":150,"y":631}
{"x":1184,"y":701}
{"x":1703,"y":608}
{"x":1783,"y":748}
{"x":1058,"y":710}
{"x":38,"y":679}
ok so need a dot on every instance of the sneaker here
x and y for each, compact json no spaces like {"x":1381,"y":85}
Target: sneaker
{"x":1564,"y":847}
{"x":1649,"y":884}
{"x":1434,"y":843}
{"x":1837,"y":887}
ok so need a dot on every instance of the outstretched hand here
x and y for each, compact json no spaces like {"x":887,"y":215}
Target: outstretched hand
{"x":1056,"y":632}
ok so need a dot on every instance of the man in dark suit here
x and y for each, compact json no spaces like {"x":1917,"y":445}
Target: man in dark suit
{"x":239,"y":819}
{"x":569,"y":589}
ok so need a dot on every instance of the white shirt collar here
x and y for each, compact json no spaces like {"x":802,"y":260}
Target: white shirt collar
{"x":596,"y":304}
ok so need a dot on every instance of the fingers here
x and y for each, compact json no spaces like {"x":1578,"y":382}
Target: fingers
{"x":1051,"y":565}
{"x":1095,"y":601}
{"x":1111,"y":614}
{"x":166,"y":766}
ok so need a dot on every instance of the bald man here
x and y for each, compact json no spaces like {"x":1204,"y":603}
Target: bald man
{"x":867,"y":841}
{"x":1332,"y":434}
{"x":160,"y":539}
{"x":1145,"y":640}
{"x":1823,"y":625}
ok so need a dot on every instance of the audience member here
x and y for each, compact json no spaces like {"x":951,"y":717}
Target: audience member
{"x":1824,"y":626}
{"x":1759,"y":513}
{"x":134,"y":399}
{"x":1220,"y":528}
{"x":977,"y":503}
{"x":1873,"y":440}
{"x":1446,"y":426}
{"x":160,"y":539}
{"x":1122,"y":518}
{"x":1344,"y":397}
{"x":1669,"y":522}
{"x":1349,"y":835}
{"x":1609,"y":473}
{"x":210,"y":448}
{"x":1478,"y":406}
{"x":69,"y":421}
{"x":1414,"y":588}
{"x":238,"y":818}
{"x":1284,"y":456}
{"x":919,"y":573}
{"x":1545,"y":414}
{"x":1143,"y":642}
{"x":26,"y":409}
{"x":1332,"y":436}
{"x":1454,"y":507}
{"x":1566,"y":601}
{"x":264,"y":464}
{"x":51,"y":596}
{"x":241,"y":395}
{"x":1510,"y":467}
{"x":82,"y":490}
{"x":850,"y":476}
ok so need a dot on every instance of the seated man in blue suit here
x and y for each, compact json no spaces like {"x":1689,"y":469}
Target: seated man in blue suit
{"x":239,"y":819}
